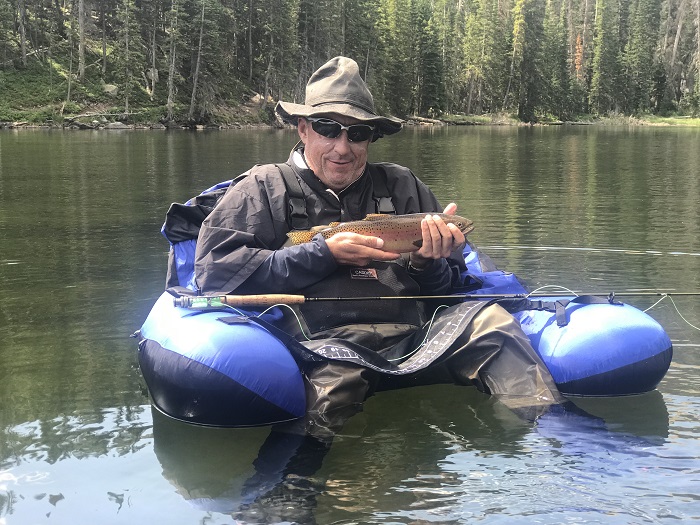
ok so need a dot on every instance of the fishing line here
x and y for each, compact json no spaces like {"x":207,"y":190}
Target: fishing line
{"x":654,"y":305}
{"x":676,"y":308}
{"x":301,"y":327}
{"x":425,"y":339}
{"x":243,"y":314}
{"x":624,"y":251}
{"x":555,"y":287}
{"x":663,"y":296}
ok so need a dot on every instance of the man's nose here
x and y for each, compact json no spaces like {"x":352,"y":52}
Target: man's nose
{"x":342,"y":143}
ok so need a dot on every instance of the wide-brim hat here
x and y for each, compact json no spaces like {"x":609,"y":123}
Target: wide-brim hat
{"x":337,"y":87}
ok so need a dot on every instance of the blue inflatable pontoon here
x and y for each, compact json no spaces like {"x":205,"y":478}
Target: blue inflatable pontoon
{"x":205,"y":368}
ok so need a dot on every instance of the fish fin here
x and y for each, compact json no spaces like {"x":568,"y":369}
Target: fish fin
{"x":321,"y":227}
{"x":334,"y":224}
{"x":376,"y":216}
{"x":418,"y":243}
{"x":301,"y":236}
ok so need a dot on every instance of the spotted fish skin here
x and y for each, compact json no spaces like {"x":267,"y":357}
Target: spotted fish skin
{"x":400,"y":233}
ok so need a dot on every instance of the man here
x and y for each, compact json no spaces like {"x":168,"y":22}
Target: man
{"x":241,"y":249}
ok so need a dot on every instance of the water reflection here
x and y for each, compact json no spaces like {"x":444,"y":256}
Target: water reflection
{"x":263,"y":475}
{"x":207,"y":466}
{"x":55,"y":462}
{"x":74,"y":436}
{"x":81,"y":262}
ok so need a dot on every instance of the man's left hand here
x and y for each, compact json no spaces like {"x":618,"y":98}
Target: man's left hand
{"x":439,"y":239}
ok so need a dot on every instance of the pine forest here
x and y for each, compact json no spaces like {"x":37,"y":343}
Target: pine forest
{"x":193,"y":60}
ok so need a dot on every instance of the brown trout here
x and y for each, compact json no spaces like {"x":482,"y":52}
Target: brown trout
{"x":401,"y":233}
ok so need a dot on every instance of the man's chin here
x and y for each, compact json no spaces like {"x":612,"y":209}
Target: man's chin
{"x":340,"y":179}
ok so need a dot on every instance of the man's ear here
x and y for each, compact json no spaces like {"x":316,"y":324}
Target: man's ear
{"x":302,"y":129}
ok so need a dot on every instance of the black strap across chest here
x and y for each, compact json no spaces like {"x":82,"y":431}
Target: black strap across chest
{"x":380,"y":193}
{"x":298,"y":216}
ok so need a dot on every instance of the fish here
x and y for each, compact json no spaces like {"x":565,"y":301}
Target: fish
{"x":400,"y":233}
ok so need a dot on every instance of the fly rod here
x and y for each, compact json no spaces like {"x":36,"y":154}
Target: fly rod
{"x":264,"y":300}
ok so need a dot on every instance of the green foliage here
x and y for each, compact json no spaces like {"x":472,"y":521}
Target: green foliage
{"x":266,"y":115}
{"x":690,"y":104}
{"x":544,"y":59}
{"x":36,"y":85}
{"x":525,"y":83}
{"x":639,"y":65}
{"x":556,"y":89}
{"x":604,"y":94}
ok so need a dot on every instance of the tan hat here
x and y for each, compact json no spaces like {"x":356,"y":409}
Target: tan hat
{"x":337,"y":87}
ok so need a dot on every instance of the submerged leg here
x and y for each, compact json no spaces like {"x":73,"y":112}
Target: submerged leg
{"x":499,"y":359}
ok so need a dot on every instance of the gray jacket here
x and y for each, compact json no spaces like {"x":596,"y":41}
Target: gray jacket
{"x":240,"y":244}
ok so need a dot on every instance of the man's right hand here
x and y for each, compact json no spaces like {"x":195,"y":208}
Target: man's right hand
{"x":358,"y":250}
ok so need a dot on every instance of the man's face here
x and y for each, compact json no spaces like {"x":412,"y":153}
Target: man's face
{"x":337,"y":162}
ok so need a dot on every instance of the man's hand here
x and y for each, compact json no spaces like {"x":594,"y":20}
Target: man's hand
{"x":439,"y":239}
{"x":358,"y":250}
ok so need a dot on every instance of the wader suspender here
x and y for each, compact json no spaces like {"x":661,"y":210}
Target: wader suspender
{"x":299,"y":219}
{"x":380,"y":193}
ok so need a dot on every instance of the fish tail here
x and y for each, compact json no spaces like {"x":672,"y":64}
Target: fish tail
{"x":301,"y":236}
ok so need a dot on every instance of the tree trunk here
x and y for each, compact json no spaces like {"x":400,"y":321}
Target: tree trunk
{"x":195,"y":78}
{"x":70,"y":62}
{"x":697,"y":55}
{"x":171,"y":65}
{"x":154,"y":68}
{"x":126,"y":52}
{"x":250,"y":41}
{"x":59,"y":19}
{"x":675,"y":70}
{"x":268,"y":71}
{"x":104,"y":37}
{"x":81,"y":40}
{"x":342,"y":27}
{"x":21,"y":18}
{"x":584,"y":43}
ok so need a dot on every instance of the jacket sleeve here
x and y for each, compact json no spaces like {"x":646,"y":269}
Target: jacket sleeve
{"x":239,"y":247}
{"x":291,"y":269}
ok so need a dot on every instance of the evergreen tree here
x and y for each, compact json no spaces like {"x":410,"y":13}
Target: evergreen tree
{"x":361,"y":33}
{"x":489,"y":37}
{"x":174,"y":79}
{"x":696,"y":71}
{"x":448,"y":17}
{"x":396,"y":87}
{"x":605,"y":83}
{"x":128,"y":54}
{"x":639,"y":59}
{"x":557,"y":82}
{"x":419,"y":56}
{"x":6,"y":27}
{"x":476,"y":46}
{"x":429,"y":71}
{"x":525,"y":69}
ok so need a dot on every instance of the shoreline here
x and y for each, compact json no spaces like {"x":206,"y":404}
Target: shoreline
{"x":72,"y":124}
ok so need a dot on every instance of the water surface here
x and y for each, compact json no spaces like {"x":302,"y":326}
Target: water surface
{"x":82,"y":261}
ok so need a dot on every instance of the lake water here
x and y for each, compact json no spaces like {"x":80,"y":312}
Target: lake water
{"x":81,"y":262}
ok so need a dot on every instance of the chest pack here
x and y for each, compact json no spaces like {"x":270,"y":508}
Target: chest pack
{"x":183,"y":221}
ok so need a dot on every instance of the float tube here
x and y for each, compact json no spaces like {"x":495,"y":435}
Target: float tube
{"x":205,"y":368}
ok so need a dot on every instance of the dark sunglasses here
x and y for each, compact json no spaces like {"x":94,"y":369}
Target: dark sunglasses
{"x":332,"y":129}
